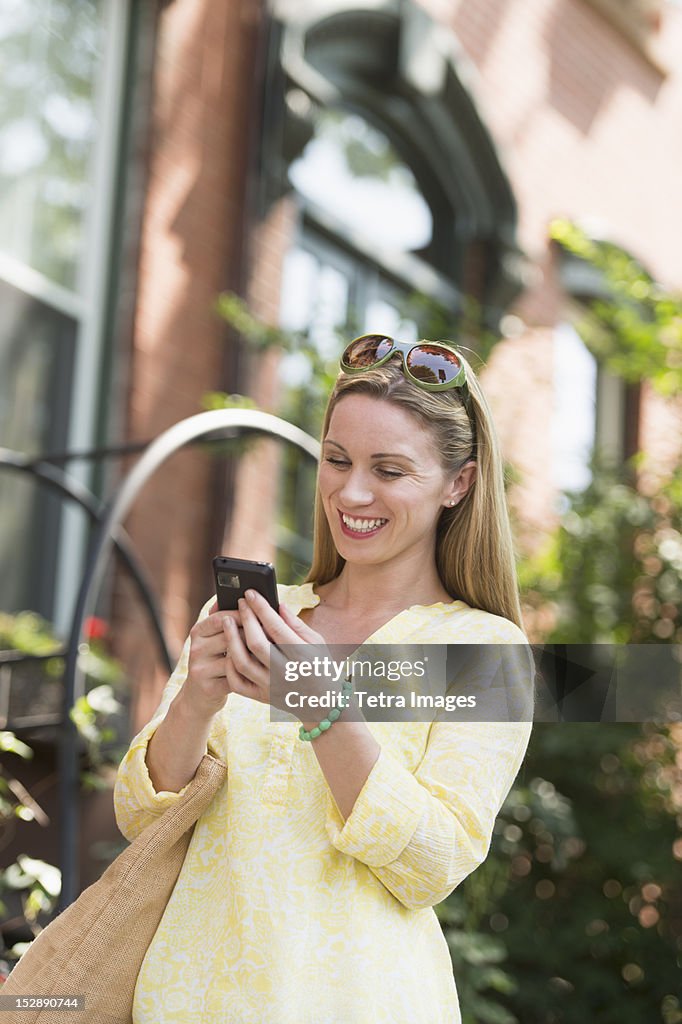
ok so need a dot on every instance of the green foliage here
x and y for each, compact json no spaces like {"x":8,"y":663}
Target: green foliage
{"x":591,"y":907}
{"x":562,"y":924}
{"x":259,"y":335}
{"x":612,"y":571}
{"x":40,"y":882}
{"x":11,"y":745}
{"x":29,"y":633}
{"x":90,"y":715}
{"x":26,"y":632}
{"x":367,"y":152}
{"x":221,"y":400}
{"x":476,"y":958}
{"x":637,"y":330}
{"x":590,"y":836}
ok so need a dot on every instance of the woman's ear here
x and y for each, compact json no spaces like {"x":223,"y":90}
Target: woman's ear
{"x":461,"y":483}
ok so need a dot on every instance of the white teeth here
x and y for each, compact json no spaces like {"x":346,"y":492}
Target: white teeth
{"x":362,"y":525}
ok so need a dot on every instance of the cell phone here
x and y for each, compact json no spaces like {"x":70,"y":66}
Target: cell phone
{"x":234,"y":576}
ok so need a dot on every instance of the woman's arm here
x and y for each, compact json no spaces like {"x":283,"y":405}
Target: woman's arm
{"x":346,"y":754}
{"x":175,"y":750}
{"x":179,"y":743}
{"x":422,"y":833}
{"x":163,"y":757}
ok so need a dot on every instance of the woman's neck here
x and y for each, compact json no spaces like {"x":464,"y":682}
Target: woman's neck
{"x":370,"y":590}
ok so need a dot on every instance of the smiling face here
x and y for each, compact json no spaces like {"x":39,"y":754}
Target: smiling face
{"x":382,"y":485}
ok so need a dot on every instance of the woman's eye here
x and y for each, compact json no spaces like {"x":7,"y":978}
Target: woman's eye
{"x":339,"y":463}
{"x":389,"y":474}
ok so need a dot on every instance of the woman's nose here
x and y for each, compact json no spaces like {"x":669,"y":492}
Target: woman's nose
{"x":356,"y":489}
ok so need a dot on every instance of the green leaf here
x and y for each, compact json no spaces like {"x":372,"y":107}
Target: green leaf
{"x":10,"y":744}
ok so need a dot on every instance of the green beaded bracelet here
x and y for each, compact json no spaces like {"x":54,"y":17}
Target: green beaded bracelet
{"x":326,"y":723}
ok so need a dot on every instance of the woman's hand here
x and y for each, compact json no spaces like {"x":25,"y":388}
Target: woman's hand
{"x":253,"y":663}
{"x":206,"y":688}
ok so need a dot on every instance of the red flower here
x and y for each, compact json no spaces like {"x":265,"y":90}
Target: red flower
{"x":94,"y":628}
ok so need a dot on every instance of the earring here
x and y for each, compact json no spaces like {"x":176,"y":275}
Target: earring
{"x":452,"y":502}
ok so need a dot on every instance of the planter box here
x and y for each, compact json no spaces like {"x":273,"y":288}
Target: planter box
{"x":29,"y":695}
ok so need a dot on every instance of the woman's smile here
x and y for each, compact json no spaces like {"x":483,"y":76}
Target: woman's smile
{"x":360,"y":527}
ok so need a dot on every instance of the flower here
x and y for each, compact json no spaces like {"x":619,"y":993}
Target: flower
{"x":95,"y":628}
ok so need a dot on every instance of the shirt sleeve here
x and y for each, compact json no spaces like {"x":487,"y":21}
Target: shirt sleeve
{"x":136,"y":802}
{"x":422,"y":832}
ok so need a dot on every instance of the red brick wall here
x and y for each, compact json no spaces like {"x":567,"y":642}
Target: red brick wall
{"x":588,"y":129}
{"x":586,"y":124}
{"x":190,"y":249}
{"x":252,"y":527}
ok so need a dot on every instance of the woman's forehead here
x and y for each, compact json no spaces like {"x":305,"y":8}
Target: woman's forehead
{"x":365,"y":422}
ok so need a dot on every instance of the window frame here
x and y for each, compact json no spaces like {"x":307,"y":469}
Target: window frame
{"x":87,"y":306}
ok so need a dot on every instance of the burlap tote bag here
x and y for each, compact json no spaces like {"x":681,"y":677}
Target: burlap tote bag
{"x":96,"y":946}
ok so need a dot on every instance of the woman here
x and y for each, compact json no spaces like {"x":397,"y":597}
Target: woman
{"x":307,"y":892}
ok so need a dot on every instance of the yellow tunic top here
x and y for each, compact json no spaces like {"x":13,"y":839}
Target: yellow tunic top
{"x":285,"y":914}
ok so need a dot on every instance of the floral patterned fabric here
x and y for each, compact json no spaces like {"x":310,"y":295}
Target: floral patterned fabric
{"x":285,"y":914}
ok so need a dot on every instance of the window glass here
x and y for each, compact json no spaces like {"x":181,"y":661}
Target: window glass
{"x":352,"y":170}
{"x":329,"y":293}
{"x":52,"y":51}
{"x":341,"y":279}
{"x":36,"y":354}
{"x":60,"y":62}
{"x":575,"y":404}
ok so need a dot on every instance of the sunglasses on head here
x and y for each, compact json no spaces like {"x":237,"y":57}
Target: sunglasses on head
{"x":431,"y":365}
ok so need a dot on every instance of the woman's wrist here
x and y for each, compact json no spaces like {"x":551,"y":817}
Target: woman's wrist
{"x":311,"y":727}
{"x":177,"y":746}
{"x":193,"y":714}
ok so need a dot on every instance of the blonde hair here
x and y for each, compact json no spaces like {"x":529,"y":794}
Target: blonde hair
{"x":474,"y":547}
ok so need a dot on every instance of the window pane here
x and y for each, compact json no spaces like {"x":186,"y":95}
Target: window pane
{"x":352,"y":170}
{"x":36,"y":354}
{"x":51,"y":55}
{"x":574,"y":420}
{"x":385,"y":318}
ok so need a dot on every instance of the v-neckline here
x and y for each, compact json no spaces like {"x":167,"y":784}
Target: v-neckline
{"x":314,"y":599}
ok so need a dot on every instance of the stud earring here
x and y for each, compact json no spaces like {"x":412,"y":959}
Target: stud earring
{"x":452,"y":502}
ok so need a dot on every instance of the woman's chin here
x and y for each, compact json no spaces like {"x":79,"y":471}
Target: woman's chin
{"x":359,"y":553}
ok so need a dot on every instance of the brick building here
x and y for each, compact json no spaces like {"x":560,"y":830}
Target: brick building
{"x":165,"y":152}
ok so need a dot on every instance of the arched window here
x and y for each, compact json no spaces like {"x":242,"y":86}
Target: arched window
{"x":381,"y":92}
{"x":371,"y":128}
{"x":363,"y":221}
{"x":600,"y":409}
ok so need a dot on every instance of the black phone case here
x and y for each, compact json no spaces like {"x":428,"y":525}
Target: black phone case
{"x":234,"y":576}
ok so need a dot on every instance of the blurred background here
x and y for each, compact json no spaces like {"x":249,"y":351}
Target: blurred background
{"x":200,"y":203}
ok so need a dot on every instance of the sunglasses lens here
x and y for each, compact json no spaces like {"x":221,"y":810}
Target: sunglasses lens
{"x":367,"y":350}
{"x":433,"y":364}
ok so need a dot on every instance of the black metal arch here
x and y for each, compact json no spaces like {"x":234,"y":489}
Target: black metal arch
{"x":68,"y":487}
{"x":208,"y":425}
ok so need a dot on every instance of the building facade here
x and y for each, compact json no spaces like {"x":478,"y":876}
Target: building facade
{"x":322,"y":161}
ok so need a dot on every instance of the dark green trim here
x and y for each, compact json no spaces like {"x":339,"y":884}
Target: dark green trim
{"x":125,"y":224}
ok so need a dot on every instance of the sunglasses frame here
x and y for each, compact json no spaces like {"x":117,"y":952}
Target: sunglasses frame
{"x":404,"y":348}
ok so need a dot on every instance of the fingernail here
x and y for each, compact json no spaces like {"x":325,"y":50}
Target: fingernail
{"x":251,"y":594}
